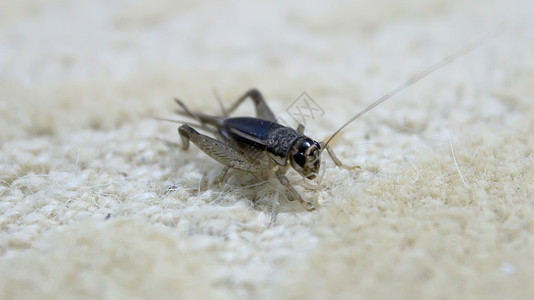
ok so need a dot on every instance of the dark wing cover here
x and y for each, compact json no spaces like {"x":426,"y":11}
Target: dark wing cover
{"x":248,"y":132}
{"x":254,"y":137}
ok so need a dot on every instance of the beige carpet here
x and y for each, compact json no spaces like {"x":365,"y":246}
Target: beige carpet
{"x":95,"y":204}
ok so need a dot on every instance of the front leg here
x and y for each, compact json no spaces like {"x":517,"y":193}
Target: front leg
{"x":294,"y":194}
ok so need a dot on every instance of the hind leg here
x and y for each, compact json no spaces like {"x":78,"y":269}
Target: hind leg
{"x":217,"y":150}
{"x":200,"y":117}
{"x":263,"y":111}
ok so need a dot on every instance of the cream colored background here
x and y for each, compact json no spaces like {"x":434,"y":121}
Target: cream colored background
{"x":80,"y":79}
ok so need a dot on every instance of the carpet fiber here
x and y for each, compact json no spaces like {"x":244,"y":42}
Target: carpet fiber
{"x":97,"y":201}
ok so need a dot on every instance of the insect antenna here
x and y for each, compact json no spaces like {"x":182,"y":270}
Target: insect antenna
{"x":422,"y":74}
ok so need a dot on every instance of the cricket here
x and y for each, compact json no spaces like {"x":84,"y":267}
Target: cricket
{"x":261,"y":145}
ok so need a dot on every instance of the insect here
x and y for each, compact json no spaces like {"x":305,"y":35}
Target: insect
{"x":256,"y":144}
{"x":260,"y":144}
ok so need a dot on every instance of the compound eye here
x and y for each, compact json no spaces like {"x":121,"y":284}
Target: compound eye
{"x":304,"y":145}
{"x":299,"y":159}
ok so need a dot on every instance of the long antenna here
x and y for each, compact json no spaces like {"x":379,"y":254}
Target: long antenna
{"x":424,"y":73}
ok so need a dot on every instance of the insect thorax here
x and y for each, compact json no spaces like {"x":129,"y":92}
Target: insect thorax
{"x":281,"y":139}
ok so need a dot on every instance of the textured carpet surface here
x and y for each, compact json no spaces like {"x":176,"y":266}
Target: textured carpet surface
{"x":95,"y":203}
